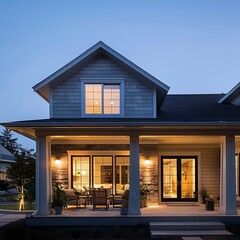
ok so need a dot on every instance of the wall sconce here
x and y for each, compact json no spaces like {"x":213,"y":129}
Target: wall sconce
{"x":58,"y":162}
{"x":147,"y":161}
{"x":83,"y":172}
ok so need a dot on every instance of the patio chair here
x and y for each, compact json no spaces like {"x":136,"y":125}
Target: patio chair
{"x":116,"y":200}
{"x":73,"y":199}
{"x":100,"y":199}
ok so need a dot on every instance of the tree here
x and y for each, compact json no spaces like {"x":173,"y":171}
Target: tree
{"x":8,"y":141}
{"x":22,"y":171}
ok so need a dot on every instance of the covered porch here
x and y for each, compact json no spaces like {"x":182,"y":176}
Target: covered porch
{"x":215,"y":166}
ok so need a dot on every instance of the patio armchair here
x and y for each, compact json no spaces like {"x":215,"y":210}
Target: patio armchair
{"x":116,"y":201}
{"x":73,"y":199}
{"x":100,"y":199}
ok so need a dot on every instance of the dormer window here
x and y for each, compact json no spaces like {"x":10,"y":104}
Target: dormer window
{"x":102,"y":99}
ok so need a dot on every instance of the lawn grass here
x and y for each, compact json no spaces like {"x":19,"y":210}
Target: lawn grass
{"x":28,"y":206}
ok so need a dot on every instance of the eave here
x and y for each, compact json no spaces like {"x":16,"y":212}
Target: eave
{"x":31,"y":130}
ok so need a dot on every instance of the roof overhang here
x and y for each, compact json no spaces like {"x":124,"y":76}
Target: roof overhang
{"x":57,"y":128}
{"x":43,"y":87}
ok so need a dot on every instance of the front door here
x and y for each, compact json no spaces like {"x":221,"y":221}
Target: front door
{"x":179,"y":179}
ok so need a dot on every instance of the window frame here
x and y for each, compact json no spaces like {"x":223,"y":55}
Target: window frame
{"x":103,"y":81}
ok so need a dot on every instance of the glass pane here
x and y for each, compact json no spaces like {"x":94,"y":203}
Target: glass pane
{"x":122,"y":174}
{"x":89,"y":87}
{"x":89,"y":95}
{"x":188,"y":178}
{"x":80,"y":172}
{"x":89,"y":110}
{"x":93,"y":97}
{"x":169,"y":178}
{"x":111,"y":99}
{"x":115,"y":110}
{"x":102,"y":172}
{"x":107,"y":110}
{"x":97,"y":110}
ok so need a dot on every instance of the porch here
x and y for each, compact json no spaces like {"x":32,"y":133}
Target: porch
{"x":194,"y":161}
{"x":163,"y":212}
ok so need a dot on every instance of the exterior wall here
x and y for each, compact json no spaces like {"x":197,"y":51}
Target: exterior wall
{"x":208,"y":164}
{"x":3,"y":169}
{"x":66,"y":96}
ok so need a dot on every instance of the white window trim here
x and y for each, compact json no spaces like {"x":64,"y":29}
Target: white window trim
{"x":103,"y":81}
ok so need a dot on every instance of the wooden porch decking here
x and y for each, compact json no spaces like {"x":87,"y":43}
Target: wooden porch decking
{"x":87,"y":217}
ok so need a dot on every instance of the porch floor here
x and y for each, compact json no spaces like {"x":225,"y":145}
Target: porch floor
{"x":163,"y":212}
{"x":194,"y":209}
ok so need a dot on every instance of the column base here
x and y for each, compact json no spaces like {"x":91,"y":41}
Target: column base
{"x":228,"y":212}
{"x":132,"y":212}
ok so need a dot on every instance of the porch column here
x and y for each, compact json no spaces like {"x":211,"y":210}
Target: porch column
{"x":134,"y":190}
{"x":228,"y":203}
{"x":43,"y":179}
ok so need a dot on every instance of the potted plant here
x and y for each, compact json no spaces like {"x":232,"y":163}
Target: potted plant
{"x":209,"y":204}
{"x":58,"y":199}
{"x":204,"y":194}
{"x":124,"y":207}
{"x":144,"y":191}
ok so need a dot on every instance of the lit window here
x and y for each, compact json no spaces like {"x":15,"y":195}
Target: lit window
{"x":102,"y":99}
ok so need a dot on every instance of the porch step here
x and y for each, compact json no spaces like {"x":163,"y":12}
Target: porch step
{"x":183,"y":228}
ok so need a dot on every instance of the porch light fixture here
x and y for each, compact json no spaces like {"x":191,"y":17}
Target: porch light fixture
{"x":58,"y":162}
{"x":147,"y":161}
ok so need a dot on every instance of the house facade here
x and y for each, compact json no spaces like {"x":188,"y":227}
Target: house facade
{"x":114,"y":125}
{"x":5,"y":159}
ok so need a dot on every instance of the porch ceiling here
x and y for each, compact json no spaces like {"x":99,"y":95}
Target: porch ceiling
{"x":143,"y":139}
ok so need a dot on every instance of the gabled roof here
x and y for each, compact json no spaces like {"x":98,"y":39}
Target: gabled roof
{"x":232,"y":97}
{"x":43,"y":87}
{"x":5,"y":155}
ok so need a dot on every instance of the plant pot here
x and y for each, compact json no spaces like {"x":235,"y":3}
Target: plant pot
{"x":123,"y":211}
{"x":58,"y":210}
{"x":143,"y":201}
{"x":210,"y":205}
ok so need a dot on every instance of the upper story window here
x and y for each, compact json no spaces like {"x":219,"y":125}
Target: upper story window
{"x":102,"y":99}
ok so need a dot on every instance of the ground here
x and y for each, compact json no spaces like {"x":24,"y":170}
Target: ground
{"x":18,"y":230}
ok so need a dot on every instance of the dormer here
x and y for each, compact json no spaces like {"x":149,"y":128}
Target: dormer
{"x":101,"y":83}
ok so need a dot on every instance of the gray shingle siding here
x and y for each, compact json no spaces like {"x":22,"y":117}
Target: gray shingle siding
{"x":66,"y":96}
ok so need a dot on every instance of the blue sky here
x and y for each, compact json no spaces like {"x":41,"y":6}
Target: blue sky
{"x":192,"y":46}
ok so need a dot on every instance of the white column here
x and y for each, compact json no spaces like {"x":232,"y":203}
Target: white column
{"x":228,"y":204}
{"x":134,"y":190}
{"x":43,"y":179}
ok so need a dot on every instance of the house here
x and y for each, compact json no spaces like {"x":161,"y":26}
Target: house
{"x":114,"y":125}
{"x":5,"y":159}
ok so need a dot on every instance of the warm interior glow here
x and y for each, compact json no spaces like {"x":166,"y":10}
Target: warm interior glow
{"x":57,"y":161}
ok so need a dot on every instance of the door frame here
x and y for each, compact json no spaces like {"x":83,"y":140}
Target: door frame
{"x":178,"y":158}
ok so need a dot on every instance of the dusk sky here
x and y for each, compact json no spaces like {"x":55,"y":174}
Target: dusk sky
{"x":192,"y":46}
